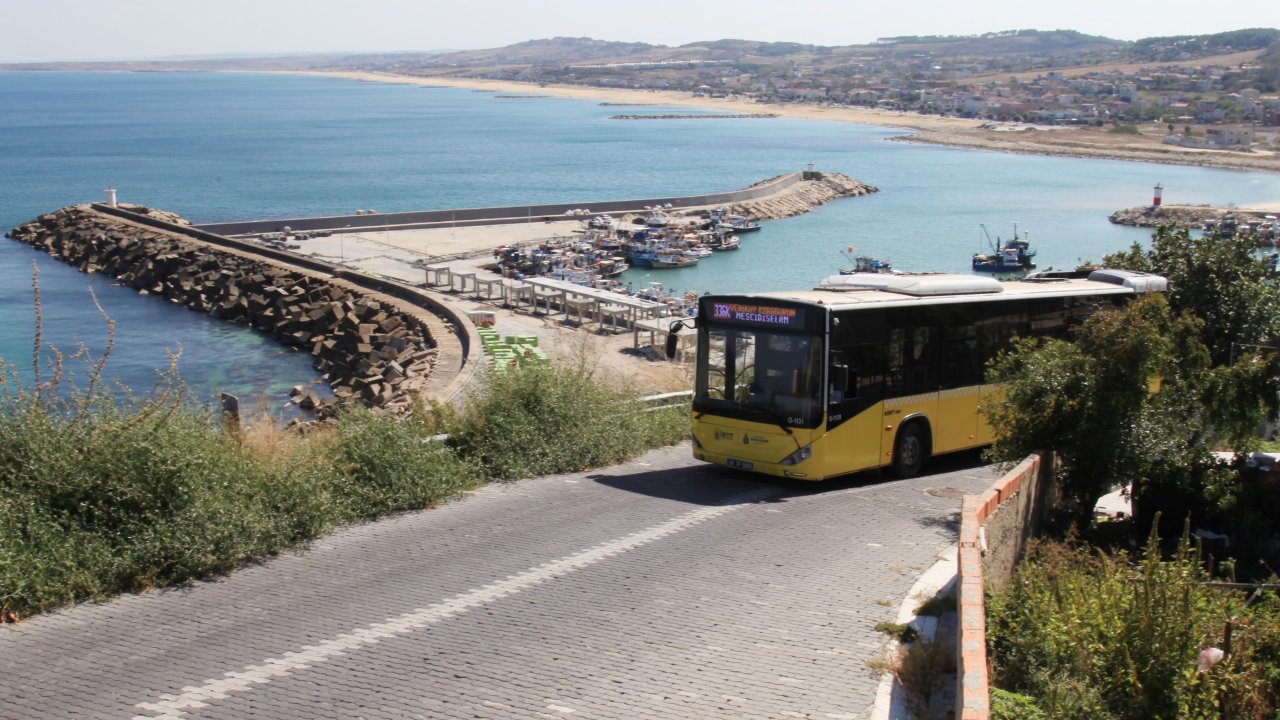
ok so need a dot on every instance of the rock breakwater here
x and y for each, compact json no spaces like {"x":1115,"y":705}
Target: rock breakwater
{"x":368,"y":350}
{"x":1189,"y":217}
{"x":799,"y":198}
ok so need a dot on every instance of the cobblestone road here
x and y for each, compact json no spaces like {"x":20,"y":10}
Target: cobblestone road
{"x":662,"y":588}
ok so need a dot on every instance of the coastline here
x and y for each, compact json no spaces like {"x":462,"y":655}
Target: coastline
{"x":932,"y":129}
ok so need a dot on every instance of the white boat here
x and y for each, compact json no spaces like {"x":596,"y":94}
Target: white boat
{"x":724,"y":243}
{"x":667,"y":260}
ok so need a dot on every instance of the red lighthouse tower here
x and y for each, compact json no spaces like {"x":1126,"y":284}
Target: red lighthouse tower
{"x":1155,"y":201}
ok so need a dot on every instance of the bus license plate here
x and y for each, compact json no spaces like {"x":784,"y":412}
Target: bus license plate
{"x":740,"y":464}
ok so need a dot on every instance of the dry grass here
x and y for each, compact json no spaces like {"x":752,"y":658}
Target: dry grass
{"x":923,"y":668}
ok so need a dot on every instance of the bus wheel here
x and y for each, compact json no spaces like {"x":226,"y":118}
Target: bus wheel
{"x":910,"y":450}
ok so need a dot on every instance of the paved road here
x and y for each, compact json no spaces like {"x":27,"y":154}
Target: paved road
{"x":662,"y":588}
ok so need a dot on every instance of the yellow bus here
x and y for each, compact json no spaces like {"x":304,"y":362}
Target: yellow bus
{"x":870,"y":370}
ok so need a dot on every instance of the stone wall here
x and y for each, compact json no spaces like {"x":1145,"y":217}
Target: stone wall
{"x":369,"y":350}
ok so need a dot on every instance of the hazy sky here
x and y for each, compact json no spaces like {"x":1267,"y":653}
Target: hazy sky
{"x":45,"y":30}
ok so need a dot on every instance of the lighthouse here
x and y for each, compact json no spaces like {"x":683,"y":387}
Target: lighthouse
{"x":1155,"y":201}
{"x":111,"y":197}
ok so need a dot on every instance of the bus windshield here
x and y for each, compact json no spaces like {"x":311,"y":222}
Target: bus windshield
{"x":762,"y":375}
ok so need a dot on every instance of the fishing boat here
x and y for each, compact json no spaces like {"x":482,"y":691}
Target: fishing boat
{"x":611,"y":266}
{"x":724,"y":243}
{"x":671,"y":259}
{"x":1013,"y":255}
{"x":864,"y":264}
{"x":740,"y":224}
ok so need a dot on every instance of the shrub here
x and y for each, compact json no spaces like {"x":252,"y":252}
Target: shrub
{"x":385,"y":464}
{"x":101,"y":497}
{"x":1007,"y":705}
{"x":1091,"y":636}
{"x":542,"y":420}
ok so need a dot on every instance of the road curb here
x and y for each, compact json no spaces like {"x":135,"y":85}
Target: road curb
{"x":889,"y":703}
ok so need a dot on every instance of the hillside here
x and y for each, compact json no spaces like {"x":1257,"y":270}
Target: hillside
{"x":1005,"y":51}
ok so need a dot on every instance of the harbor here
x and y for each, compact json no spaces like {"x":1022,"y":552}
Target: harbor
{"x":565,"y":264}
{"x":400,"y":312}
{"x":925,"y":218}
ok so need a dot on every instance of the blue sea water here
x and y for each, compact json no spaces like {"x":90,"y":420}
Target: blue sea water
{"x":218,"y":147}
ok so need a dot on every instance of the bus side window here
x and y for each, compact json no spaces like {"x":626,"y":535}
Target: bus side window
{"x":961,"y":358}
{"x":843,"y":383}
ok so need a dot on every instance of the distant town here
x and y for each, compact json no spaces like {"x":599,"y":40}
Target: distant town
{"x":1227,"y":84}
{"x":1215,"y":91}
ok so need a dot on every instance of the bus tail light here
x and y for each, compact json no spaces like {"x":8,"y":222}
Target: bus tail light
{"x":798,"y":456}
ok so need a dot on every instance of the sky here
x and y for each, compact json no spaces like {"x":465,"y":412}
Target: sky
{"x":53,"y":30}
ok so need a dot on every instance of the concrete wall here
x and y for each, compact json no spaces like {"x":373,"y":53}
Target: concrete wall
{"x":495,"y":215}
{"x":1017,"y":519}
{"x":994,"y":530}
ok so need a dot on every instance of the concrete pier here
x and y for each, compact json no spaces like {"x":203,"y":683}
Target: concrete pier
{"x":838,"y":185}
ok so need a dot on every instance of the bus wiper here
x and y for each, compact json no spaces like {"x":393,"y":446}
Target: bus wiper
{"x":778,"y":418}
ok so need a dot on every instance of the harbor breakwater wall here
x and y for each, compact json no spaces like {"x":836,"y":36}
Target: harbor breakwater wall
{"x":753,"y":201}
{"x":1186,"y":217}
{"x":372,"y":346}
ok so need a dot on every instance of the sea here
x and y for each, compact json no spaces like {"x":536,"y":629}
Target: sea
{"x":230,"y":146}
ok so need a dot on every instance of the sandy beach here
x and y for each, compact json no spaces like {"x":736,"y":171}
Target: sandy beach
{"x":958,"y":132}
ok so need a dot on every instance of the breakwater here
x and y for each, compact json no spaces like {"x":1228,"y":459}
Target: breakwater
{"x":805,"y":183}
{"x":1189,"y":217}
{"x":800,"y":197}
{"x":370,"y":348}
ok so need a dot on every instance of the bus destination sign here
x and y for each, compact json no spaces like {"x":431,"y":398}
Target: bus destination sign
{"x":787,"y":317}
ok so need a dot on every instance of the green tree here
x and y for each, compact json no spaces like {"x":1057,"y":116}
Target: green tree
{"x":1082,"y":399}
{"x":1217,"y":278}
{"x":1092,"y":400}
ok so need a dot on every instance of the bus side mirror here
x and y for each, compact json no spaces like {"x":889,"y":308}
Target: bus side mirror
{"x":672,"y":340}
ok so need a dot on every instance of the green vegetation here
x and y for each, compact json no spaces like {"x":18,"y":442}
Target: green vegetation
{"x":1219,"y":279}
{"x":1173,"y":47}
{"x":1095,"y":636}
{"x":555,"y":419}
{"x":898,"y":631}
{"x":100,"y":496}
{"x":1143,"y":396}
{"x":1090,"y":400}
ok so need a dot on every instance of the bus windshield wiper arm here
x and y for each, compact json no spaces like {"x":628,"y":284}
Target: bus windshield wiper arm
{"x":778,"y":418}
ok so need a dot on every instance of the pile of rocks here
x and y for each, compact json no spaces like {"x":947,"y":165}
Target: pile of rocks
{"x":368,"y":350}
{"x":802,"y":197}
{"x":1189,"y":217}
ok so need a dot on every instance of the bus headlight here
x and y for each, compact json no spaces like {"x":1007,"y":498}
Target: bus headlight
{"x":798,"y":456}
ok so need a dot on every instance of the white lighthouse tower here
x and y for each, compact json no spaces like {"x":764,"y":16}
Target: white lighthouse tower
{"x":111,"y":197}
